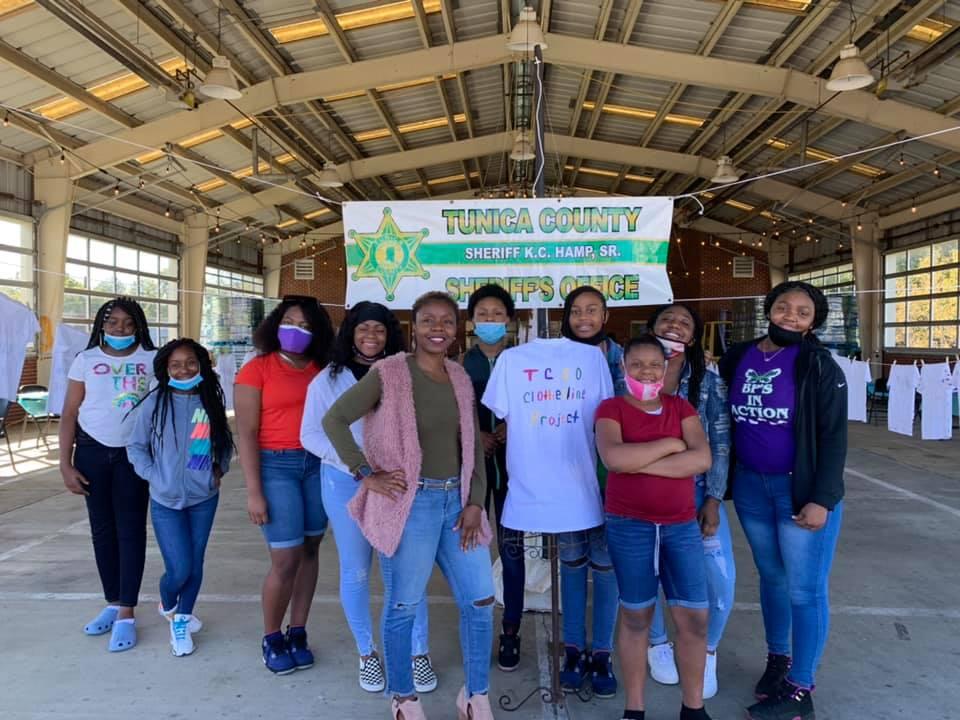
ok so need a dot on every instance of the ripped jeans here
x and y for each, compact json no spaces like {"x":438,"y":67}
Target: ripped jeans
{"x":580,"y":553}
{"x":356,"y":555}
{"x":721,"y":582}
{"x":429,"y":537}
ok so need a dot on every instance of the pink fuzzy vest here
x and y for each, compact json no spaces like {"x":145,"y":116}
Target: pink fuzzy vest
{"x":390,"y":442}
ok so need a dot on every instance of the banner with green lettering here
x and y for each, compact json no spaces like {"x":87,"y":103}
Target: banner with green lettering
{"x":539,"y":250}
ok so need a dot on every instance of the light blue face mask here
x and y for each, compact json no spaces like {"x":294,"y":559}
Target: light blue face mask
{"x":188,"y":384}
{"x":119,"y":342}
{"x":490,"y":333}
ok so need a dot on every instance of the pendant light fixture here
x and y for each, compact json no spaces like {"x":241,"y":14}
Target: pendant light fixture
{"x":726,"y":172}
{"x":220,"y":83}
{"x":329,"y":177}
{"x":526,"y":34}
{"x":522,"y":147}
{"x":850,"y":71}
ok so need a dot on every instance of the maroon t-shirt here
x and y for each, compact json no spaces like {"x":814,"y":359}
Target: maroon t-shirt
{"x":649,"y":497}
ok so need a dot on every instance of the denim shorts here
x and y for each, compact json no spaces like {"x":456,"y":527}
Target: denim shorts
{"x":292,"y":486}
{"x":646,"y":555}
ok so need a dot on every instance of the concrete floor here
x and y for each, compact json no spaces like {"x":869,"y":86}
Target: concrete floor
{"x":893,"y":653}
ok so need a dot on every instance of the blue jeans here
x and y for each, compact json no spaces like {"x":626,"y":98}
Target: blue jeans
{"x":292,"y":488}
{"x":355,"y":555}
{"x":646,"y":554}
{"x":721,"y":582}
{"x":182,"y":536}
{"x":429,"y":537}
{"x":117,"y":503}
{"x":580,"y":552}
{"x":794,"y":567}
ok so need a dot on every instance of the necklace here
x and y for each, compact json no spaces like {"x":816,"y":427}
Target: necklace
{"x":769,"y":358}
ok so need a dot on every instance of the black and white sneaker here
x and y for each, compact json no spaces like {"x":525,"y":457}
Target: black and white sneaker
{"x":371,"y":675}
{"x":424,"y":678}
{"x":508,"y":656}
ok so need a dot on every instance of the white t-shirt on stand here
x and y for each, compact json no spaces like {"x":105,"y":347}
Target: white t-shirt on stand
{"x":901,"y":405}
{"x":548,"y":391}
{"x":858,"y":375}
{"x":67,"y":344}
{"x":936,"y":409}
{"x":18,"y":328}
{"x":112,"y":388}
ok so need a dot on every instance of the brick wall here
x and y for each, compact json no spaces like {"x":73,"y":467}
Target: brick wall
{"x":692,"y":265}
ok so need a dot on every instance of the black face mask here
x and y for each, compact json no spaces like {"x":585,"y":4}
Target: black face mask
{"x":592,"y":340}
{"x":783,"y":338}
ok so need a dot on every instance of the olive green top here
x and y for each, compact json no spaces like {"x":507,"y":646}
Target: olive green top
{"x":438,"y":427}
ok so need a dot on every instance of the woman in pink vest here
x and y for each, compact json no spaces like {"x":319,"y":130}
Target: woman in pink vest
{"x":421,"y":476}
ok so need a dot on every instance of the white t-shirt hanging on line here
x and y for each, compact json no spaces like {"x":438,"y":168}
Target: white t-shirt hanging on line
{"x":67,"y":344}
{"x":901,"y":405}
{"x":112,"y":388}
{"x":226,"y":369}
{"x":858,"y":375}
{"x":548,"y":392}
{"x":18,"y":328}
{"x":936,"y":408}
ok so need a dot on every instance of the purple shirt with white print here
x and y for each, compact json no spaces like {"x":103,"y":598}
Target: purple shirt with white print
{"x":763,"y":405}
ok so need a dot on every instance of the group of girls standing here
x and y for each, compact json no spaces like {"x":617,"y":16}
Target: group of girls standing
{"x":140,"y":429}
{"x":394,"y":450}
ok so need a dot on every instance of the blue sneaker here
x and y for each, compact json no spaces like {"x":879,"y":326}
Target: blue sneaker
{"x":602,"y":679}
{"x":276,"y":656}
{"x":297,"y":646}
{"x":574,"y":670}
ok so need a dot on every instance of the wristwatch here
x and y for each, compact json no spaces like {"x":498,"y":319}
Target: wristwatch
{"x":362,"y":472}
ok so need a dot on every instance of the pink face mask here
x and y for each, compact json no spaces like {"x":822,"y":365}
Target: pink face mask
{"x":642,"y":390}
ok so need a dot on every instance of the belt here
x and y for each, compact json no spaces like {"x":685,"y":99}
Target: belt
{"x":432,"y":484}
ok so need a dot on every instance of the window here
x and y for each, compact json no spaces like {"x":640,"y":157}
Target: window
{"x":922,"y":297}
{"x":833,"y":280}
{"x":98,"y":270}
{"x":16,"y":261}
{"x":228,"y":283}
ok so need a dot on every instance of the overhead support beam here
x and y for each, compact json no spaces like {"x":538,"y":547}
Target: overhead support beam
{"x":929,"y":209}
{"x":788,"y":85}
{"x":127,"y":208}
{"x":293,"y":89}
{"x":784,"y":193}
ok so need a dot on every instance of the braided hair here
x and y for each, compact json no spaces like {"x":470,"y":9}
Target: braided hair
{"x":694,"y":354}
{"x":132,"y":308}
{"x":209,"y":390}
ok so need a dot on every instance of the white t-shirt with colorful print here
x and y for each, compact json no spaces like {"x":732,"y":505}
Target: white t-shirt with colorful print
{"x":112,"y":388}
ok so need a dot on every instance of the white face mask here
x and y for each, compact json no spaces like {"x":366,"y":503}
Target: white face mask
{"x":673,"y":347}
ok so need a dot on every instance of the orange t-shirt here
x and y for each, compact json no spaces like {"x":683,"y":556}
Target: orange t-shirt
{"x":283,"y":392}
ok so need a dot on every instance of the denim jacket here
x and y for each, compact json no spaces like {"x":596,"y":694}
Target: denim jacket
{"x":712,"y":408}
{"x":615,"y":361}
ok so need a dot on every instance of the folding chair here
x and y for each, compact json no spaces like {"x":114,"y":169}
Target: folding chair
{"x":5,"y":406}
{"x":33,"y":400}
{"x":877,"y":396}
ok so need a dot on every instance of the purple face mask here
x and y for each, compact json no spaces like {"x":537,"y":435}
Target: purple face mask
{"x":294,"y":339}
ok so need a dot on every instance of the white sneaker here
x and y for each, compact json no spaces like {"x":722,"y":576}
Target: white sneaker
{"x":424,"y":678}
{"x":180,"y":640}
{"x":710,"y":677}
{"x":371,"y":675}
{"x":195,"y":624}
{"x":663,"y":666}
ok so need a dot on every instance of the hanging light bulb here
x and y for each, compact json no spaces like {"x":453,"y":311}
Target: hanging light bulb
{"x":936,"y":171}
{"x":850,"y":72}
{"x":6,"y":120}
{"x":526,"y":34}
{"x":116,"y":189}
{"x":166,"y":213}
{"x":329,"y":177}
{"x":859,"y":225}
{"x":220,"y":83}
{"x":726,"y":172}
{"x":63,"y":156}
{"x":522,"y":147}
{"x":913,"y":208}
{"x":902,"y":161}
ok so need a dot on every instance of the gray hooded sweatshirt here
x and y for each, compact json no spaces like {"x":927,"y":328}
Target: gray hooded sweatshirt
{"x":180,"y":469}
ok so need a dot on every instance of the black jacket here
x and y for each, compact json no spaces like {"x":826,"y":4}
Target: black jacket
{"x":478,"y":367}
{"x":819,"y":423}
